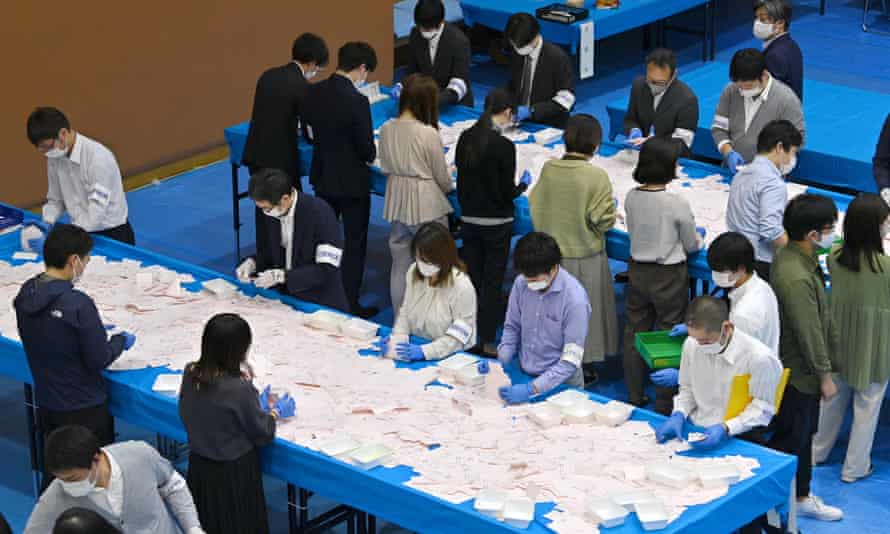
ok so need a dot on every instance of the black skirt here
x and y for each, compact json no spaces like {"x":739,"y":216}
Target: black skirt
{"x":229,"y":496}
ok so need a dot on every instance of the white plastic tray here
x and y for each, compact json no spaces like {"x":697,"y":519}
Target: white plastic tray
{"x":606,"y":512}
{"x":340,"y":446}
{"x":359,"y":329}
{"x":614,"y":413}
{"x":583,"y":412}
{"x":469,"y":375}
{"x":519,"y":513}
{"x":669,"y":475}
{"x":716,"y":475}
{"x":545,"y":415}
{"x":326,"y":320}
{"x":652,"y":515}
{"x":370,"y":456}
{"x":491,"y":502}
{"x":167,"y":383}
{"x":629,"y":500}
{"x":450,"y":366}
{"x":566,"y":398}
{"x":219,"y":287}
{"x":394,"y":340}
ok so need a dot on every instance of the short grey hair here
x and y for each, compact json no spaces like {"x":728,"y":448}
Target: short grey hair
{"x":707,"y":313}
{"x":776,"y":9}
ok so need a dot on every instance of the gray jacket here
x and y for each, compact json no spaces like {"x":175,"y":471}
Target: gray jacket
{"x":729,"y":119}
{"x":156,"y":499}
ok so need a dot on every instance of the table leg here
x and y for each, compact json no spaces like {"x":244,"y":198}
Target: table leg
{"x":292,"y":525}
{"x":34,"y":440}
{"x":822,"y":7}
{"x":372,"y":524}
{"x":713,"y":27}
{"x":706,"y":34}
{"x":792,"y":504}
{"x":236,"y":213}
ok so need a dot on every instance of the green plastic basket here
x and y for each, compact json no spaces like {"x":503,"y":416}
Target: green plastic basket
{"x":659,"y":349}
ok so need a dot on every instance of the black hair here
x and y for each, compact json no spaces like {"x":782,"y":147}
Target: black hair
{"x":776,"y":9}
{"x":708,"y":313}
{"x":747,"y":65}
{"x":70,"y":447}
{"x":730,"y":251}
{"x":536,"y":253}
{"x":83,"y":521}
{"x":521,"y":29}
{"x":583,"y":134}
{"x":310,"y":48}
{"x":63,"y":241}
{"x":657,"y":163}
{"x":862,"y":232}
{"x":778,"y":131}
{"x":269,"y":185}
{"x":44,"y":123}
{"x":354,"y":54}
{"x":808,"y":212}
{"x":475,"y":139}
{"x":434,"y":244}
{"x":224,"y":345}
{"x":429,"y":13}
{"x":664,"y":58}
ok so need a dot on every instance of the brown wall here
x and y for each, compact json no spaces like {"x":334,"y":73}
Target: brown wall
{"x":155,"y":81}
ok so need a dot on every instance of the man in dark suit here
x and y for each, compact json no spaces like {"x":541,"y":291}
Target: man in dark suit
{"x":662,"y":105}
{"x":300,"y":250}
{"x":784,"y":60}
{"x":338,"y":121}
{"x":541,"y":75}
{"x":441,"y":51}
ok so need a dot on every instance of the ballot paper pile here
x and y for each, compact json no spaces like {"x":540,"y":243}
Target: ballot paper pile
{"x":369,"y":412}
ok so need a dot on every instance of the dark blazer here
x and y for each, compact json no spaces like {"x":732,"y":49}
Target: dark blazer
{"x":487,"y":189}
{"x":338,"y":119}
{"x":881,"y":161}
{"x":784,"y":61}
{"x":678,"y":109}
{"x":311,"y":277}
{"x":452,"y":61}
{"x":553,"y":73}
{"x":272,"y":139}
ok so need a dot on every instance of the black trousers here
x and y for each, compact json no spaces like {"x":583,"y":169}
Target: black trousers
{"x":793,"y":430}
{"x":762,"y":269}
{"x":486,"y":250}
{"x":123,"y":233}
{"x":96,"y":418}
{"x":354,"y":212}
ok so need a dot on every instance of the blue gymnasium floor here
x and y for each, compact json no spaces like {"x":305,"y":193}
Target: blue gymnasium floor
{"x":189,"y":218}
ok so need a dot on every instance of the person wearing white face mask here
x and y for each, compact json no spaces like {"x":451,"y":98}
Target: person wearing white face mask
{"x":806,"y":341}
{"x":547,"y":318}
{"x":129,"y":484}
{"x":84,"y":179}
{"x":440,"y":301}
{"x":758,"y":194}
{"x":542,"y":78}
{"x":747,"y":105}
{"x":440,"y":50}
{"x":784,"y":60}
{"x":64,"y":339}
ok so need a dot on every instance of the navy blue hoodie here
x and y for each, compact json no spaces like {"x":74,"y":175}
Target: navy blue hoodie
{"x":66,"y":344}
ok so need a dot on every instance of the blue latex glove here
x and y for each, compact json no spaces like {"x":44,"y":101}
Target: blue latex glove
{"x":733,"y":160}
{"x":635,"y":133}
{"x":482,"y":367}
{"x":616,"y":202}
{"x":679,"y":330}
{"x":285,"y":406}
{"x":109,"y":327}
{"x":672,"y":428}
{"x":652,"y":131}
{"x":396,"y":91}
{"x":523,"y":113}
{"x":129,"y":340}
{"x":410,"y":352}
{"x":516,"y":394}
{"x":715,"y":436}
{"x":701,"y":231}
{"x":264,"y":399}
{"x":526,"y":178}
{"x":666,"y":378}
{"x":382,"y":344}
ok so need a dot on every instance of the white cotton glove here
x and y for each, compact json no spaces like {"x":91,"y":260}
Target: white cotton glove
{"x":270,"y":278}
{"x":247,"y":268}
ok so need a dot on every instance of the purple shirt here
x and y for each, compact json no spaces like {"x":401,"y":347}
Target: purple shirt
{"x":547,"y":329}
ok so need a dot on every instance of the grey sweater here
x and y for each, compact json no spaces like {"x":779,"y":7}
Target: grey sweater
{"x":661,"y":227}
{"x":779,"y":102}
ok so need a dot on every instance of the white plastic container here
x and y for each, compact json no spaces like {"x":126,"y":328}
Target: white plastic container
{"x":491,"y":502}
{"x":545,"y":415}
{"x":326,"y":320}
{"x":167,"y":383}
{"x":652,"y":515}
{"x":613,"y":414}
{"x":370,"y":456}
{"x":631,"y":499}
{"x":24,"y":255}
{"x":449,"y":367}
{"x":566,"y":398}
{"x":340,"y":446}
{"x":394,"y":340}
{"x":717,"y":475}
{"x":469,"y":375}
{"x":219,"y":287}
{"x":547,"y":136}
{"x":359,"y":329}
{"x":519,"y":513}
{"x":580,"y":413}
{"x":606,"y":512}
{"x":669,"y":475}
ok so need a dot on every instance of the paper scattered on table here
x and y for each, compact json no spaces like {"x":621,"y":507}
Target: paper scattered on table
{"x":24,"y":256}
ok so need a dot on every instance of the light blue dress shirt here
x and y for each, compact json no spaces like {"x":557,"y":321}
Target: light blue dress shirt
{"x":757,"y":200}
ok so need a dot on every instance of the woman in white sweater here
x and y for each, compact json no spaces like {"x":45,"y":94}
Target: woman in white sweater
{"x":440,"y":301}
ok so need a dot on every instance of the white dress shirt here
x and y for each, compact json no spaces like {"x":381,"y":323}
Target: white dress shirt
{"x":112,"y":497}
{"x":287,"y":232}
{"x":752,"y":105}
{"x":706,"y":380}
{"x":434,"y":43}
{"x":754,"y":310}
{"x":87,"y":185}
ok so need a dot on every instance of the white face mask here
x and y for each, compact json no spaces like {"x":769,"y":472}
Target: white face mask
{"x":750,"y":93}
{"x":786,"y":168}
{"x":56,"y":152}
{"x":539,"y":285}
{"x":78,"y":276}
{"x":277,"y":212}
{"x":763,"y":30}
{"x":81,"y":488}
{"x":712,"y":349}
{"x":427,"y":270}
{"x":311,"y":74}
{"x":723,"y":279}
{"x":885,"y":230}
{"x":525,"y":50}
{"x":826,"y":241}
{"x":429,"y":35}
{"x":361,"y":81}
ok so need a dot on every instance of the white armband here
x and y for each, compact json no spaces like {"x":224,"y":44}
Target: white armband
{"x":720,"y":122}
{"x":573,"y":354}
{"x":565,"y":98}
{"x":329,"y":254}
{"x":309,"y":132}
{"x":100,"y":195}
{"x":460,"y":331}
{"x":684,"y":135}
{"x":458,"y":86}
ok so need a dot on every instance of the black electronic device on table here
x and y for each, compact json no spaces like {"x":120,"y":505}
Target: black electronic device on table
{"x":562,"y":13}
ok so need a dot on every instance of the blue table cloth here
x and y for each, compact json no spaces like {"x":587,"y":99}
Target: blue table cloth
{"x":607,"y":22}
{"x":403,"y":16}
{"x":842,"y":127}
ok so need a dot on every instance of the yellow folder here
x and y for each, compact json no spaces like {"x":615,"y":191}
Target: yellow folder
{"x":739,"y":399}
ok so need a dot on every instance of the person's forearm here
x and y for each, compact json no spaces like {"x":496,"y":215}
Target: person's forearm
{"x":781,"y":241}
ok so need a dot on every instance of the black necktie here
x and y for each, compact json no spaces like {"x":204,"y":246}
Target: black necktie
{"x":525,"y":89}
